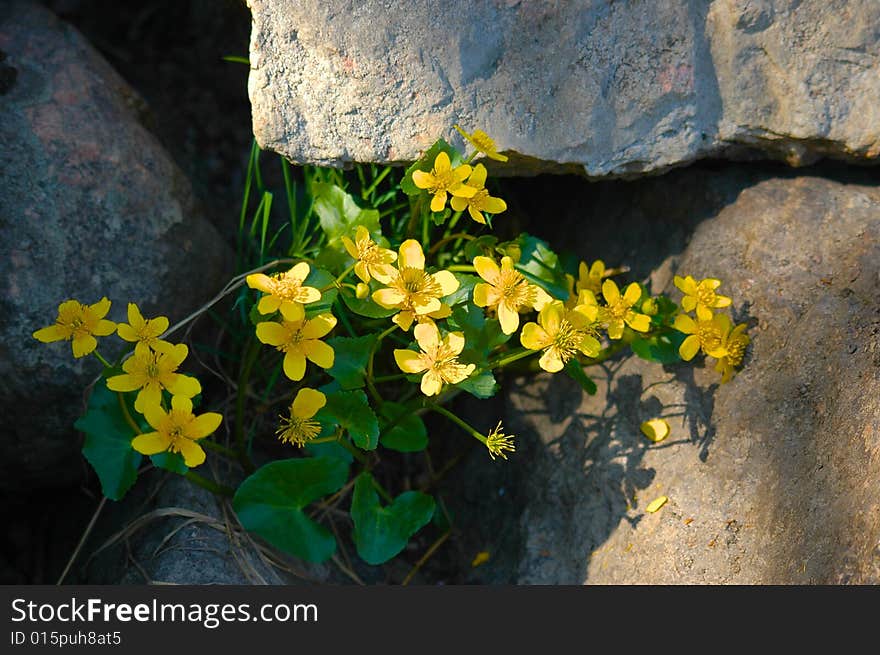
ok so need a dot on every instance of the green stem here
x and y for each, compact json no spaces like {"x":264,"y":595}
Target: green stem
{"x":218,"y":448}
{"x":387,"y":496}
{"x":210,"y":485}
{"x":371,"y":387}
{"x":451,"y":237}
{"x":376,"y":182}
{"x":389,"y":378}
{"x":462,"y":268}
{"x":339,"y":279}
{"x":126,"y":414}
{"x":467,"y":427}
{"x":357,"y":454}
{"x":509,"y":358}
{"x":101,"y":359}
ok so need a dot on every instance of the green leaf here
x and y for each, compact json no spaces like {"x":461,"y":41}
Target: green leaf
{"x":407,"y":432}
{"x":339,"y":214}
{"x":539,"y":264}
{"x":366,"y":306}
{"x":270,"y":503}
{"x":320,"y":278}
{"x":170,"y":462}
{"x":351,"y":355}
{"x":329,"y":449}
{"x":662,"y":349}
{"x":465,"y":289}
{"x":482,"y":245}
{"x":482,"y":385}
{"x":576,"y":372}
{"x":351,"y":411}
{"x":481,"y":335}
{"x":426,"y":163}
{"x":107,"y":445}
{"x":380,"y":533}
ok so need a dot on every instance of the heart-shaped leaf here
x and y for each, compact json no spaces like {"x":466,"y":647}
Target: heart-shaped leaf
{"x":402,"y":430}
{"x":380,"y":533}
{"x":270,"y":503}
{"x":351,"y":411}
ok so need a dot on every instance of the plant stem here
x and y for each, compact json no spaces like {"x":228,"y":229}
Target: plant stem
{"x":339,"y":279}
{"x":462,"y":268}
{"x":467,"y":427}
{"x":509,"y":358}
{"x":210,"y":485}
{"x":125,"y":413}
{"x":451,"y":237}
{"x":219,"y":448}
{"x":371,"y":387}
{"x":389,"y":378}
{"x":101,"y":359}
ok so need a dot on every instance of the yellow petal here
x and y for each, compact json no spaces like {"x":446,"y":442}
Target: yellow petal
{"x":463,"y":191}
{"x":319,"y":352}
{"x":404,"y":320}
{"x":135,"y":318}
{"x":534,"y":337}
{"x":550,"y":361}
{"x":590,"y":346}
{"x":307,"y":403}
{"x":638,"y":322}
{"x":632,"y":294}
{"x":308,"y":295}
{"x":155,"y":415}
{"x":615,"y":329}
{"x":711,"y":282}
{"x":656,"y":429}
{"x":411,"y":255}
{"x":193,"y":455}
{"x":478,"y":176}
{"x":294,"y":366}
{"x":298,"y":272}
{"x":350,"y":248}
{"x":494,"y":205}
{"x":104,"y":328}
{"x":150,"y":394}
{"x":422,"y":305}
{"x":688,"y":303}
{"x":684,"y":323}
{"x":151,"y":443}
{"x":83,"y":345}
{"x":184,"y":385}
{"x":462,"y":172}
{"x":269,"y":304}
{"x":409,"y":361}
{"x":656,"y":504}
{"x":722,"y":301}
{"x":455,"y":342}
{"x":477,"y":215}
{"x":487,"y":269}
{"x":442,"y":162}
{"x":480,"y":558}
{"x":610,"y":292}
{"x":123,"y":383}
{"x":260,"y":282}
{"x":50,"y":334}
{"x":481,"y":294}
{"x":427,"y":336}
{"x":438,"y":202}
{"x":508,"y":317}
{"x":550,"y":317}
{"x":542,"y":298}
{"x":458,"y":204}
{"x":431,"y":383}
{"x":100,"y":308}
{"x":291,"y":311}
{"x":689,"y":347}
{"x":704,"y":313}
{"x":271,"y":333}
{"x":204,"y":425}
{"x":361,"y":270}
{"x":318,"y":326}
{"x":447,"y":281}
{"x":422,"y":179}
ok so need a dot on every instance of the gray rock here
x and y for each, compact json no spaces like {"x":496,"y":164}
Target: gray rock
{"x":771,"y":478}
{"x":90,"y":205}
{"x":604,"y":88}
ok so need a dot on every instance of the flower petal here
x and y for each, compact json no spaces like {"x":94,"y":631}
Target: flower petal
{"x":269,"y":304}
{"x":508,"y":317}
{"x":83,"y":345}
{"x":123,"y":383}
{"x":684,"y":323}
{"x":291,"y":311}
{"x":455,"y":342}
{"x":550,"y":317}
{"x":272,"y":333}
{"x":50,"y":334}
{"x":615,"y":329}
{"x":438,"y":202}
{"x":478,"y":176}
{"x":442,"y":162}
{"x":422,"y":179}
{"x":534,"y":337}
{"x":260,"y":282}
{"x":590,"y":346}
{"x":149,"y":395}
{"x":204,"y":425}
{"x":151,"y":443}
{"x":135,"y":318}
{"x":494,"y":205}
{"x":193,"y":454}
{"x":458,"y":204}
{"x":184,"y":385}
{"x":551,"y":361}
{"x":318,"y":326}
{"x":409,"y":361}
{"x":633,"y":293}
{"x":447,"y":281}
{"x":319,"y":352}
{"x":487,"y":269}
{"x":99,"y":309}
{"x":689,"y":347}
{"x":431,"y":383}
{"x":404,"y":320}
{"x":307,"y":403}
{"x":294,"y":366}
{"x":411,"y":255}
{"x":427,"y":336}
{"x":299,"y":272}
{"x":182,"y":404}
{"x":155,"y":415}
{"x":388,"y":298}
{"x":610,"y":292}
{"x":425,"y":305}
{"x":656,"y":429}
{"x":481,"y":294}
{"x":638,"y":322}
{"x":477,"y":215}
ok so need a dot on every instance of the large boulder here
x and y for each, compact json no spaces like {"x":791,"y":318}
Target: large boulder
{"x":772,"y":478}
{"x":605,"y":88}
{"x":90,"y":205}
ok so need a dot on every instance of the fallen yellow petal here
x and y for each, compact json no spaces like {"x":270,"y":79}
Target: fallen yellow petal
{"x":656,"y":504}
{"x":657,"y":429}
{"x":481,"y":558}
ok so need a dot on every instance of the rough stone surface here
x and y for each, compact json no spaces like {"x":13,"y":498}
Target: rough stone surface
{"x":771,"y":478}
{"x":90,"y":205}
{"x":169,"y":531}
{"x":606,"y":88}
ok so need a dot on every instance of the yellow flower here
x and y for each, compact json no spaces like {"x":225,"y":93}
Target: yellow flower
{"x":285,"y":291}
{"x":590,"y":278}
{"x":177,"y":431}
{"x":700,"y":294}
{"x":373,"y":261}
{"x":481,"y":141}
{"x":438,"y":359}
{"x":153,"y":370}
{"x":444,"y":179}
{"x":140,"y":330}
{"x":497,"y":442}
{"x":481,"y":201}
{"x":733,"y":342}
{"x":299,"y":340}
{"x":561,"y":333}
{"x":656,"y":429}
{"x":80,"y":324}
{"x":619,"y":309}
{"x":706,"y":333}
{"x":299,"y":428}
{"x":506,"y":291}
{"x":413,"y":291}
